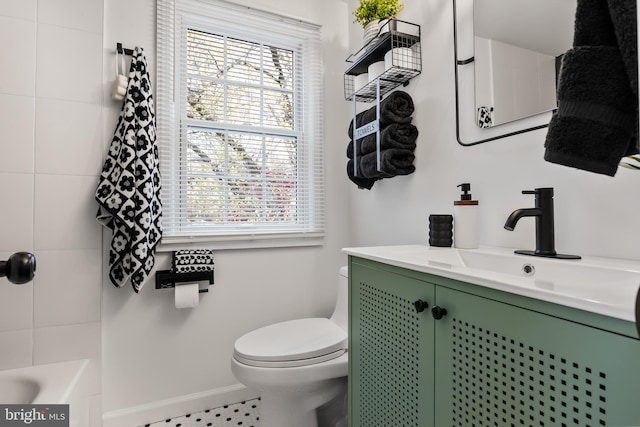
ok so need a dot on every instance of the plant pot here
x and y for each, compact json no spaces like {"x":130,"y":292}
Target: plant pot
{"x":370,"y":32}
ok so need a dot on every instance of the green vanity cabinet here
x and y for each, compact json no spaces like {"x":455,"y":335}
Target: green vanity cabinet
{"x":390,"y":349}
{"x":494,"y":359}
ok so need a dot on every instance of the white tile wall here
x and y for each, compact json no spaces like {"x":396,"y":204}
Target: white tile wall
{"x":65,"y":212}
{"x":67,"y":276}
{"x":19,"y":59}
{"x":16,"y":192}
{"x":51,"y":142}
{"x":16,"y":304}
{"x":70,"y":342}
{"x":69,"y":64}
{"x":17,"y":349}
{"x":77,"y":14}
{"x":65,"y":132}
{"x":25,"y":9}
{"x":17,"y":122}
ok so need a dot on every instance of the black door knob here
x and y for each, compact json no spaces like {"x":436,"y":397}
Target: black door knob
{"x":420,"y":306}
{"x":438,"y":312}
{"x":19,"y":268}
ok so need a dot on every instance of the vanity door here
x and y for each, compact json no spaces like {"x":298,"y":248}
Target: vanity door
{"x":501,"y":365}
{"x":390,"y":349}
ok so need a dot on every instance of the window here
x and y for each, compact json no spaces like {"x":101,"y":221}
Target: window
{"x":239,"y":107}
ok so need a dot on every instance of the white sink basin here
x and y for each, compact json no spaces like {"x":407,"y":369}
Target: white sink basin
{"x":584,"y":278}
{"x":600,"y":285}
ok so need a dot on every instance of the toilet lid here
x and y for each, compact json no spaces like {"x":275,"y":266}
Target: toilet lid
{"x":290,"y":341}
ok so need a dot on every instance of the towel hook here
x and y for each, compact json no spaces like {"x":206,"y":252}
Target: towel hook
{"x":123,"y":51}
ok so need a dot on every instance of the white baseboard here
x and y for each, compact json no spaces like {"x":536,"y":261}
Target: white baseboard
{"x":175,"y":407}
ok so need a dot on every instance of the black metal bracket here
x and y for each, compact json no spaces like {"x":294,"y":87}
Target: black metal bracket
{"x":465,"y":61}
{"x":122,"y":50}
{"x":168,"y":279}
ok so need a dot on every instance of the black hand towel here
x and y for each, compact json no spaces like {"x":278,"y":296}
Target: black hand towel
{"x":393,"y":162}
{"x":395,"y":135}
{"x":397,"y":107}
{"x":596,"y":121}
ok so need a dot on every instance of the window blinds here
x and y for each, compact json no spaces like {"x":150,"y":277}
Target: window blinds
{"x":240,"y":125}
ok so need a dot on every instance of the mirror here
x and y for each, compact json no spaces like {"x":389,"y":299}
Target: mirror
{"x":507,"y":60}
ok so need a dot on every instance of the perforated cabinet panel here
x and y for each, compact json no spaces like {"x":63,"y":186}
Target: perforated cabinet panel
{"x":391,"y":354}
{"x":499,"y":365}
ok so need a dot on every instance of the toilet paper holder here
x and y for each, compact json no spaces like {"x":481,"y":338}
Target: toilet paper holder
{"x":168,"y":279}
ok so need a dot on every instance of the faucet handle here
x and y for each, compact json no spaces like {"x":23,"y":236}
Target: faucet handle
{"x":544,"y":192}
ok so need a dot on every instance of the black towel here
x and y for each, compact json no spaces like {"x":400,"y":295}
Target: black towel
{"x":362,"y":183}
{"x":397,"y":107}
{"x":395,"y":135}
{"x":393,"y":162}
{"x":596,"y":121}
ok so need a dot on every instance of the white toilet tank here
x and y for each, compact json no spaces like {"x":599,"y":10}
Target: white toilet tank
{"x":341,"y":312}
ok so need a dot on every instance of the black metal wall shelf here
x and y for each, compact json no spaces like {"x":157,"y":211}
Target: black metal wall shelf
{"x":403,"y":40}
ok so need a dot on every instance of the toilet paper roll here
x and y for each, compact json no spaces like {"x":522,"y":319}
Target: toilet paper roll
{"x":375,"y":70}
{"x":360,"y":81}
{"x":187,"y":295}
{"x":399,"y":57}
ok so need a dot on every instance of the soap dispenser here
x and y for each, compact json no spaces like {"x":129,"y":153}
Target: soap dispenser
{"x":465,"y":220}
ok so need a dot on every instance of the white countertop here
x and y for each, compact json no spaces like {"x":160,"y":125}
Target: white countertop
{"x":598,"y":285}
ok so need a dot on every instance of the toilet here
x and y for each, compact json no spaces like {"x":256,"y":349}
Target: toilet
{"x":299,"y":367}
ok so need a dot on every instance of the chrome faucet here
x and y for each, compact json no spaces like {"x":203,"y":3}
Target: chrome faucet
{"x":543,"y":213}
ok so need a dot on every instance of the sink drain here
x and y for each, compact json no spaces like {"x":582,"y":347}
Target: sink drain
{"x":528,"y":269}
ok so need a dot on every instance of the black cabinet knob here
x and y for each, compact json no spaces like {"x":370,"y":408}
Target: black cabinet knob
{"x":438,"y":312}
{"x":420,"y":306}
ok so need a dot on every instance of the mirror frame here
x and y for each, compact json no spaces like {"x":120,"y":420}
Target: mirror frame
{"x":467,"y":132}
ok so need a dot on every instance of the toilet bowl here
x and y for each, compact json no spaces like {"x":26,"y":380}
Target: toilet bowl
{"x":298,"y":366}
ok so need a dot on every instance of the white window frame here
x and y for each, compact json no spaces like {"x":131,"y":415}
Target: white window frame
{"x":229,"y":19}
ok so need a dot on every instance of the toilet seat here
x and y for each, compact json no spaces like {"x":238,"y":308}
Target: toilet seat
{"x":292,"y":343}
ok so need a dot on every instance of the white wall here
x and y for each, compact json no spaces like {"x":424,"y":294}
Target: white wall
{"x":595,"y":215}
{"x":154,"y":356}
{"x":51,"y":144}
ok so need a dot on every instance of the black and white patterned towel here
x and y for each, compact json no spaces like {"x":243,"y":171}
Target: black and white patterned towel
{"x":129,"y":187}
{"x":191,"y":261}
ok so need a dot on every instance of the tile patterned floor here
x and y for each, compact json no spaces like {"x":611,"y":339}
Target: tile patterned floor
{"x":245,"y":414}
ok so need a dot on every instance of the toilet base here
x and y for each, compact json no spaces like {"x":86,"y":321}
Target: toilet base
{"x":286,"y":410}
{"x":273,"y":413}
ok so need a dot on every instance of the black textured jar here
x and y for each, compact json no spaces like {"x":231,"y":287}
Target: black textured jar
{"x":441,"y":230}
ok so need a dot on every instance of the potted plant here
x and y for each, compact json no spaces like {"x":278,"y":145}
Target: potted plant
{"x":370,"y":12}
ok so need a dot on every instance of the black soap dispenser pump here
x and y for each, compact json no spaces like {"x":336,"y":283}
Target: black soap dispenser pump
{"x":465,"y":220}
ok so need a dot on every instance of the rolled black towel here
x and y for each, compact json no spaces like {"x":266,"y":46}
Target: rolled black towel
{"x":397,"y":107}
{"x":395,"y":135}
{"x":393,"y":162}
{"x":362,"y":183}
